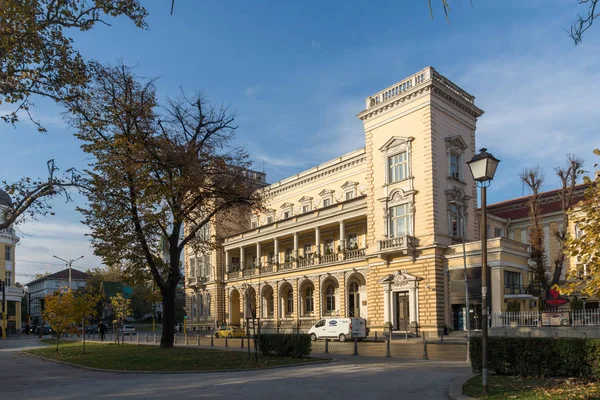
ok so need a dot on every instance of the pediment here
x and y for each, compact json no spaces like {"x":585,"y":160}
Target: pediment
{"x":305,"y":199}
{"x":400,"y":278}
{"x":349,"y":185}
{"x":287,"y":205}
{"x":326,"y":192}
{"x":396,"y":141}
{"x":457,"y":142}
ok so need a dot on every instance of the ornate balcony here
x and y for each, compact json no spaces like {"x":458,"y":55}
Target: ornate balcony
{"x":267,"y":268}
{"x":354,"y":254}
{"x":249,"y":272}
{"x":330,"y":258}
{"x":286,"y":265}
{"x":192,"y":282}
{"x":396,"y":244}
{"x":307,"y":262}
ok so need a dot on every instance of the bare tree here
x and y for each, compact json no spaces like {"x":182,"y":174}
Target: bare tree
{"x":584,"y":22}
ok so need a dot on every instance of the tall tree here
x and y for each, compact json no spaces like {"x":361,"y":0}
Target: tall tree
{"x":37,"y":56}
{"x":84,"y":308}
{"x":549,"y":272}
{"x":155,"y":171}
{"x":58,"y":312}
{"x":584,"y":246}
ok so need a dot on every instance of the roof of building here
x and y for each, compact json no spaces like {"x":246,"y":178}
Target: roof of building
{"x":5,"y":199}
{"x":76,"y":275}
{"x":549,"y":203}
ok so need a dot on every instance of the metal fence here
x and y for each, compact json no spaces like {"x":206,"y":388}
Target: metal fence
{"x":537,"y":318}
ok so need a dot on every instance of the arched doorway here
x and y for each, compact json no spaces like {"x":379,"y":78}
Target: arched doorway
{"x":307,"y":299}
{"x":356,"y":294}
{"x":234,"y":307}
{"x":267,"y":303}
{"x":330,"y":297}
{"x":250,"y":303}
{"x":286,"y":301}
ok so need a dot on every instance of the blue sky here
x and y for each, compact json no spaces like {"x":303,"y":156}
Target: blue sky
{"x":297,"y":74}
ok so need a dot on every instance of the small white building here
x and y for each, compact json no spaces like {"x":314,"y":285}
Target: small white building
{"x":40,"y":288}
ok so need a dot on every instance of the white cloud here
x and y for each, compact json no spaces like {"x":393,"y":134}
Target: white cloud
{"x":41,"y":240}
{"x":251,"y":91}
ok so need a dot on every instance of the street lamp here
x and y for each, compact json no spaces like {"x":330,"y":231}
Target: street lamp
{"x":69,"y":265}
{"x":483,"y":168}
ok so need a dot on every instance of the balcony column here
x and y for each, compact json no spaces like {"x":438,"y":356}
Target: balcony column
{"x":296,"y":246}
{"x":241,"y":258}
{"x":342,"y":236}
{"x":318,"y":241}
{"x":227,"y":261}
{"x":276,"y":254}
{"x":258,"y":263}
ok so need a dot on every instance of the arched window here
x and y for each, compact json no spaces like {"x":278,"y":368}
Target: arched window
{"x":207,"y":308}
{"x":200,"y":305}
{"x":309,"y":303}
{"x":290,"y":303}
{"x":330,"y":299}
{"x":354,"y":300}
{"x":267,"y":305}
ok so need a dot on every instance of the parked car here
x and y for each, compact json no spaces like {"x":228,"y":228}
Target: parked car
{"x":230,"y":331}
{"x":127,"y":330}
{"x":90,"y":329}
{"x":339,"y":328}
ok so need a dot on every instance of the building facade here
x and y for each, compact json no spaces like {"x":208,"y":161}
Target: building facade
{"x":8,"y":243}
{"x":47,"y":285}
{"x":375,"y":233}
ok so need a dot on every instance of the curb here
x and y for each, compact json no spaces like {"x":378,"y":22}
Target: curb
{"x":119,"y":371}
{"x":455,"y":392}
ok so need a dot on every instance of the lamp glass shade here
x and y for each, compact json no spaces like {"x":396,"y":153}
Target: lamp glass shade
{"x":483,"y":166}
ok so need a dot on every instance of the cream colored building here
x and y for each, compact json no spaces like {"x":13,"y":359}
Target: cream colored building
{"x":373,"y":233}
{"x":13,"y":295}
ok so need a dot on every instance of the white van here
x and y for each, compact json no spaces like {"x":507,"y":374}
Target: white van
{"x":339,"y":328}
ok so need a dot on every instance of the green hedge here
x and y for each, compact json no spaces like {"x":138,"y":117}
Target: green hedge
{"x":285,"y":345}
{"x":570,"y":357}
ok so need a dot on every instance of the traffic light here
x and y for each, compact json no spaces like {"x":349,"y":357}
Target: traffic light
{"x":184,"y":314}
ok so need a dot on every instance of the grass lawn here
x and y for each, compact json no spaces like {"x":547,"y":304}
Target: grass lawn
{"x":152,"y":358}
{"x":513,"y":387}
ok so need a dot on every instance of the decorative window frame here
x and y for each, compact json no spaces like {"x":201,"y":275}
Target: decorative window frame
{"x":254,"y":223}
{"x":269,"y":214}
{"x":287,"y":208}
{"x":306,"y":201}
{"x":350,"y":187}
{"x":456,"y":194}
{"x":456,"y":145}
{"x":398,"y":197}
{"x":394,"y":146}
{"x":326,"y":195}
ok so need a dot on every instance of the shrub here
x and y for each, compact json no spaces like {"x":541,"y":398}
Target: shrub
{"x":285,"y":345}
{"x":570,"y":357}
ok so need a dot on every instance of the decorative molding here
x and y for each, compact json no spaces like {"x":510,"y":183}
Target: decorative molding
{"x":456,"y":142}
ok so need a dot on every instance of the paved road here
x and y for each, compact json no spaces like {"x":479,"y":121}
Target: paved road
{"x":347,"y":378}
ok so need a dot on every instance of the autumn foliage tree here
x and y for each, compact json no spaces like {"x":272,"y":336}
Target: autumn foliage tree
{"x":156,"y":171}
{"x":84,"y":309}
{"x":58,"y":312}
{"x":585,"y":247}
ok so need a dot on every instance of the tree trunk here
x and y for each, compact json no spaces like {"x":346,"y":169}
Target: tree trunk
{"x":57,"y":337}
{"x":168,"y":333}
{"x":83,"y":333}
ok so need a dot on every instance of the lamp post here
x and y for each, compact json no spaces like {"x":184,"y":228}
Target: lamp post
{"x":69,"y":265}
{"x":483,"y":168}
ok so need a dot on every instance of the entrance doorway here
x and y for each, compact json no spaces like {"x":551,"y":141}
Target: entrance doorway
{"x":402,"y":313}
{"x":354,"y":300}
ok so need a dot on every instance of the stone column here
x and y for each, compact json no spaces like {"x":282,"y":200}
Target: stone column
{"x":342,"y":236}
{"x":296,"y":245}
{"x":318,"y":241}
{"x":227,"y":261}
{"x":258,"y":255}
{"x":241,"y":257}
{"x":387,"y":312}
{"x":276,"y":253}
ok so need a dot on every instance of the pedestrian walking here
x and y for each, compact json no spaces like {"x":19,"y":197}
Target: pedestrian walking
{"x":102,"y":330}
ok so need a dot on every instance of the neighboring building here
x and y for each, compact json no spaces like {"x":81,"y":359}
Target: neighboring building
{"x":8,"y":243}
{"x":47,"y":285}
{"x":374,"y":233}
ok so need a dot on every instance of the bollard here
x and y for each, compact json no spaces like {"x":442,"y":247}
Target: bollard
{"x":375,"y":335}
{"x":226,"y":342}
{"x":186,"y":339}
{"x":145,"y":338}
{"x":355,"y":346}
{"x":198,"y":338}
{"x":137,"y":338}
{"x":242,"y":346}
{"x":406,"y":334}
{"x":212,"y":343}
{"x":326,"y":346}
{"x":468,"y":350}
{"x":425,"y":357}
{"x":154,"y":337}
{"x":441,"y":336}
{"x":388,"y":345}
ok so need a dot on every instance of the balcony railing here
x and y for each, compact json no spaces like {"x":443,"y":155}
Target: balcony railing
{"x":266,"y":268}
{"x":287,"y":265}
{"x":354,"y":254}
{"x":330,"y":258}
{"x":234,"y":274}
{"x":306,"y":262}
{"x":516,"y":290}
{"x":192,"y":281}
{"x":249,"y":272}
{"x":395,"y":243}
